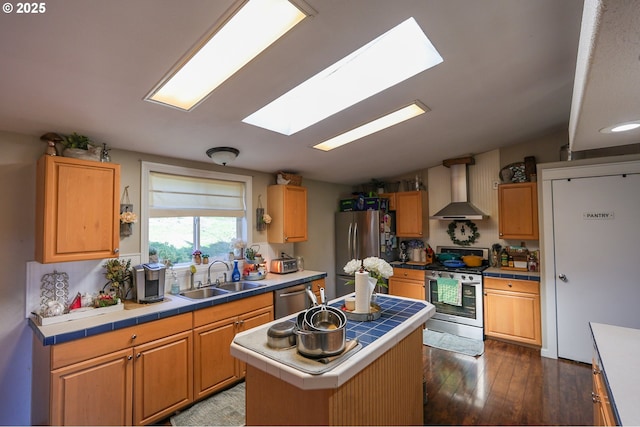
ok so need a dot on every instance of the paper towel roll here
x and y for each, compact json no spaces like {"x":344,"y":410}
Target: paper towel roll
{"x":363,"y":293}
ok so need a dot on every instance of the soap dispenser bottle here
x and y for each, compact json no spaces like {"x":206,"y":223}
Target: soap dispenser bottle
{"x":235,"y":275}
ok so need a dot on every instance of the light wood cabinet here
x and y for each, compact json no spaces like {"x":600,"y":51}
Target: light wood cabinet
{"x":412,"y":209}
{"x":518,"y":211}
{"x":392,"y":200}
{"x":512,"y":310}
{"x":287,"y":205}
{"x":214,"y":330}
{"x":77,"y":209}
{"x":602,"y":410}
{"x":132,"y":376}
{"x":76,"y":400}
{"x":316,"y":285}
{"x":163,"y":377}
{"x":408,"y":283}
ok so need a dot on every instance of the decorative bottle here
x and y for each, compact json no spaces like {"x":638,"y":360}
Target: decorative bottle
{"x":235,"y":275}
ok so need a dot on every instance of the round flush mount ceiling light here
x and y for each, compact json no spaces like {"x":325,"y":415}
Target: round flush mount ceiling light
{"x":621,"y":127}
{"x":222,"y":155}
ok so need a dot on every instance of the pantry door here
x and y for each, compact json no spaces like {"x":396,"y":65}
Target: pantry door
{"x":596,"y":227}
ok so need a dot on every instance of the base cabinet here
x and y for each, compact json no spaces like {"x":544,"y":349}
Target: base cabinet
{"x":215,"y":328}
{"x":77,"y":400}
{"x":132,"y":376}
{"x":602,"y":410}
{"x":163,"y":377}
{"x":512,"y":310}
{"x":408,"y":283}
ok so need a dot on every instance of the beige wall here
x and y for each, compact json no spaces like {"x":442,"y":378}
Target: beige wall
{"x":17,"y":219}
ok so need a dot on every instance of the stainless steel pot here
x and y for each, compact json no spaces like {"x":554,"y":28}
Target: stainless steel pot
{"x":321,"y":343}
{"x":324,"y":318}
{"x":318,"y":343}
{"x":281,"y":335}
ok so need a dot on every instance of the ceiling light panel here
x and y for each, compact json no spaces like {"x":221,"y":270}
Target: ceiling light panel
{"x":253,"y":28}
{"x":398,"y":116}
{"x":393,"y":57}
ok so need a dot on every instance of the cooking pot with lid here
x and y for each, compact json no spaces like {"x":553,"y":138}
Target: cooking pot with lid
{"x":447,"y":256}
{"x":472,"y":260}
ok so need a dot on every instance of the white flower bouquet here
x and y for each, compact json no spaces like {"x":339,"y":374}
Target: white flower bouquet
{"x":376,"y":267}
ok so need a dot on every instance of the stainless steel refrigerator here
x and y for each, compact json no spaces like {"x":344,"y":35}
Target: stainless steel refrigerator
{"x":361,"y":234}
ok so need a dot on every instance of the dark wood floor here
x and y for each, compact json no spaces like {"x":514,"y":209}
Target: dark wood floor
{"x":507,"y":385}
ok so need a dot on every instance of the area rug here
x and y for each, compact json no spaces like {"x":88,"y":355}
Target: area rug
{"x":226,"y":408}
{"x":445,"y":341}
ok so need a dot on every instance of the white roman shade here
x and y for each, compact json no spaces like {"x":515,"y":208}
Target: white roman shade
{"x":178,"y":195}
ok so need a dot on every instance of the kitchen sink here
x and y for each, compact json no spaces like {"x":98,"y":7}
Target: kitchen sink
{"x":239,"y":286}
{"x":203,"y":293}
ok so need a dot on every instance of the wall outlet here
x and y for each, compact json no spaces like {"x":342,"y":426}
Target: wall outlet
{"x":495,"y":185}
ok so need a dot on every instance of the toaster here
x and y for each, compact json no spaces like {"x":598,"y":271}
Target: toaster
{"x":284,"y":265}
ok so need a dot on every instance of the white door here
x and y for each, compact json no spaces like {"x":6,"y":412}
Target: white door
{"x":596,"y":226}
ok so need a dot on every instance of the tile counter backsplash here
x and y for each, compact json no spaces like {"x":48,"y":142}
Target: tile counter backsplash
{"x":84,"y":276}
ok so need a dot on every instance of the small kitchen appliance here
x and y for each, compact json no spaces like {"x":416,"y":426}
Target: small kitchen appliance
{"x":148,"y":281}
{"x":284,"y":265}
{"x":465,"y":319}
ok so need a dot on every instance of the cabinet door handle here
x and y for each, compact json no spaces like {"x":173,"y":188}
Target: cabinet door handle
{"x":138,"y":355}
{"x":116,"y":250}
{"x":129,"y":357}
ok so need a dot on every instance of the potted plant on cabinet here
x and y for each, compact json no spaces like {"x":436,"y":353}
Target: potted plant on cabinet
{"x":80,"y":147}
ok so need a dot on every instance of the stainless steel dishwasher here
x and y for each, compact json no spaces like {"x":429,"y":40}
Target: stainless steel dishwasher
{"x":291,"y":300}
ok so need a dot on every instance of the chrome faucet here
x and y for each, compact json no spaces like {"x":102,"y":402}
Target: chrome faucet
{"x":217,"y":279}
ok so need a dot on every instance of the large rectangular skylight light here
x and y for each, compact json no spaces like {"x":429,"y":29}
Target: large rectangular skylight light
{"x":230,"y":47}
{"x":391,"y":58}
{"x":374,"y":126}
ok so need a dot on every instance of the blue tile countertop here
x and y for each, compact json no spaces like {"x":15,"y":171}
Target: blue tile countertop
{"x":400,"y":264}
{"x":172,"y":305}
{"x":394,"y":312}
{"x":400,"y":317}
{"x":510,"y":274}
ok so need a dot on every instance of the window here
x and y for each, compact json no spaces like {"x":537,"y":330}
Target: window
{"x":187,"y":209}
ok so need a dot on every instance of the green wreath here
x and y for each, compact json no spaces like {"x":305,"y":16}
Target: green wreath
{"x":473,"y":235}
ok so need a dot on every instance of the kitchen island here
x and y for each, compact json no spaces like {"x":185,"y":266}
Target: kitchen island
{"x":615,"y":363}
{"x":380,"y":383}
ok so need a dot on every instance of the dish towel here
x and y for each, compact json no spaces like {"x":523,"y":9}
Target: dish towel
{"x":449,"y":291}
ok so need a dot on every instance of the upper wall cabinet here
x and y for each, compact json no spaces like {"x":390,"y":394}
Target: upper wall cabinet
{"x":518,"y":211}
{"x":412,"y":208}
{"x":77,"y":210}
{"x":288,"y":210}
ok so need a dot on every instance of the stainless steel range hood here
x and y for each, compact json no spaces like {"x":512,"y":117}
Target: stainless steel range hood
{"x":460,"y":208}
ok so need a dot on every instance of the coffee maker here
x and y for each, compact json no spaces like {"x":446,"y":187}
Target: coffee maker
{"x":148,"y":281}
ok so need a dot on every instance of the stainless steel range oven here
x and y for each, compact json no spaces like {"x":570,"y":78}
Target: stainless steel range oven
{"x":464,"y":317}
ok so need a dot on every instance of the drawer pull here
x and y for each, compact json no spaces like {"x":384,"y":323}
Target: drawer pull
{"x":133,"y":337}
{"x":510,"y":284}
